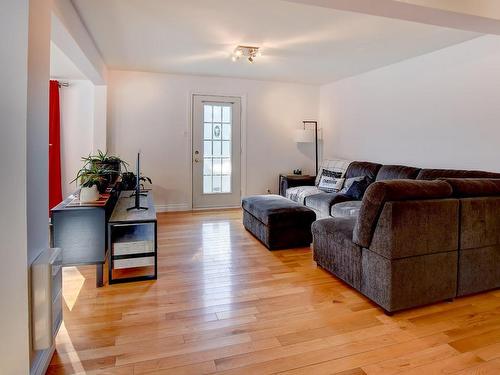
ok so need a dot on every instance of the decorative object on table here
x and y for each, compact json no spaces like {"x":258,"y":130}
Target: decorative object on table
{"x":297,"y":172}
{"x":92,"y":181}
{"x":89,"y":194}
{"x":107,"y":162}
{"x":306,"y":135}
{"x":330,"y":181}
{"x":129,"y":181}
{"x":289,"y":181}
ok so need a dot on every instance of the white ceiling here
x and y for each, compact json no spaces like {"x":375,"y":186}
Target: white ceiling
{"x":300,"y":43}
{"x":61,"y":67}
{"x":481,"y":8}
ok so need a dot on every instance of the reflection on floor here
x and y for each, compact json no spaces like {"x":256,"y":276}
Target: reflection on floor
{"x":225,"y":304}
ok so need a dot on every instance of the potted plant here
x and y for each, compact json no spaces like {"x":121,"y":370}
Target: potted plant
{"x":108,"y":162}
{"x":91,"y":179}
{"x":129,"y":180}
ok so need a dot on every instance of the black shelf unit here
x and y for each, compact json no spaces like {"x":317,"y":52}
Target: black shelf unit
{"x":132,"y":240}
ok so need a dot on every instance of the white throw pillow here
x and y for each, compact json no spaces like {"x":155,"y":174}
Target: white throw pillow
{"x":330,"y":181}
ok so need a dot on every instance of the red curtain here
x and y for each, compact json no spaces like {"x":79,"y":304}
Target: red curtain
{"x":55,"y":190}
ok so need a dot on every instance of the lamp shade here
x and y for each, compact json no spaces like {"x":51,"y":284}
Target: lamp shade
{"x":304,"y":135}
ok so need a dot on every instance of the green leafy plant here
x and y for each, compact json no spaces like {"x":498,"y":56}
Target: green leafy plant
{"x":103,"y":160}
{"x":92,"y":175}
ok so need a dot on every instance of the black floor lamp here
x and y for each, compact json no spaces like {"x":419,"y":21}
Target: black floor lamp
{"x":306,"y":135}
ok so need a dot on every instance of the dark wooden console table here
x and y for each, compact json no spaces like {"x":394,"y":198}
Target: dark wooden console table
{"x":80,"y":230}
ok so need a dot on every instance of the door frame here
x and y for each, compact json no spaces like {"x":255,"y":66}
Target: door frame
{"x":243,"y":142}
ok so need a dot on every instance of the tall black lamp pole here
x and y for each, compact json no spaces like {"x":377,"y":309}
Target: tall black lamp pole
{"x":315,"y":139}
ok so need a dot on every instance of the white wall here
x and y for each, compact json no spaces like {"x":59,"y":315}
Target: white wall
{"x":437,"y":110}
{"x":38,"y":142}
{"x":38,"y":127}
{"x":100,"y":118}
{"x":14,"y":352}
{"x":150,"y":111}
{"x":24,"y":42}
{"x":77,"y":123}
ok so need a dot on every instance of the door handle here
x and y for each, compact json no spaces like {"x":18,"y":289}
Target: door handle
{"x":196,"y":153}
{"x":196,"y":160}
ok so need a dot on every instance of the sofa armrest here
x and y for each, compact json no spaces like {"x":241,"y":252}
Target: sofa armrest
{"x":287,"y":182}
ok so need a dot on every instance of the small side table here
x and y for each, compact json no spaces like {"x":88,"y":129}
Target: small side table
{"x":287,"y":181}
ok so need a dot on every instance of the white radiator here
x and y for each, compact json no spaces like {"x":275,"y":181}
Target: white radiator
{"x":46,"y":297}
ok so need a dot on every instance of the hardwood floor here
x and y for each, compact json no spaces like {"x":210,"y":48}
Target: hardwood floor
{"x":225,"y":304}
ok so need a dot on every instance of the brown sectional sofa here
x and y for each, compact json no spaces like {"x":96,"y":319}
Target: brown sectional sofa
{"x":416,"y":241}
{"x":322,"y":203}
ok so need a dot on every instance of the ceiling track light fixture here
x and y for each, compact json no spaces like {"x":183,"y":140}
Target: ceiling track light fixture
{"x":250,"y":53}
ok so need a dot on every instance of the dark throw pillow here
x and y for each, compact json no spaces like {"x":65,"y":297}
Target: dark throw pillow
{"x":358,"y":188}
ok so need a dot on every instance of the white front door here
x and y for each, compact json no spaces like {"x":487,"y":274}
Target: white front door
{"x":216,"y":151}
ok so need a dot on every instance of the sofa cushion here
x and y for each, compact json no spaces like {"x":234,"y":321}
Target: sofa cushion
{"x":346,"y":209}
{"x":299,"y":193}
{"x":465,"y":187}
{"x":397,"y":172}
{"x":433,"y":174}
{"x":275,"y":210}
{"x":478,"y":270}
{"x":395,"y":190}
{"x":334,"y":250}
{"x":479,"y":222}
{"x":321,"y":203}
{"x":362,"y":168}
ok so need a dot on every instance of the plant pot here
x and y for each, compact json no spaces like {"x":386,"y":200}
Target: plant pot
{"x":128,"y":181}
{"x":89,"y":194}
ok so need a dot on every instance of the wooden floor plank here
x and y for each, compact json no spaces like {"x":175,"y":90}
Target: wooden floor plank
{"x":225,"y":304}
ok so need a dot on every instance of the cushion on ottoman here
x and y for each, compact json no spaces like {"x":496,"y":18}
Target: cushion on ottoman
{"x":278,"y":222}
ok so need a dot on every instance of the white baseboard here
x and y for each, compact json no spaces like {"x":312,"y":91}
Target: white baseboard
{"x":173,"y":207}
{"x":178,"y":207}
{"x":216,"y":208}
